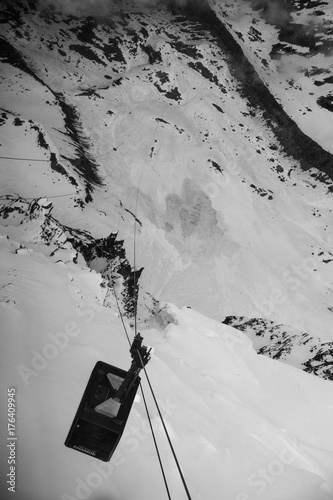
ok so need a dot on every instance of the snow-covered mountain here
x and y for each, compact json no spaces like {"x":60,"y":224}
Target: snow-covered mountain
{"x":190,"y":141}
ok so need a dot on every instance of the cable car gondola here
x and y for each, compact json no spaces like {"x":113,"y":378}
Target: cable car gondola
{"x":106,"y":404}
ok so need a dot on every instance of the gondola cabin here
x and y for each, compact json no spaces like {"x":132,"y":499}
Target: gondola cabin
{"x":105,"y":405}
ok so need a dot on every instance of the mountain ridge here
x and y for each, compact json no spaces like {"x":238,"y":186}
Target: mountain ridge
{"x":151,"y":69}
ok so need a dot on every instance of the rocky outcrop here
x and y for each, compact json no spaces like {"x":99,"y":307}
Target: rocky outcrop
{"x":287,"y":344}
{"x":104,"y":255}
{"x":295,"y":143}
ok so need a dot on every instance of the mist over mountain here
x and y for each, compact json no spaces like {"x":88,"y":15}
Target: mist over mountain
{"x":170,"y":164}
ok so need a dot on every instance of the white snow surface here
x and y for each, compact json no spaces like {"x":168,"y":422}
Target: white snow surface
{"x":244,"y":427}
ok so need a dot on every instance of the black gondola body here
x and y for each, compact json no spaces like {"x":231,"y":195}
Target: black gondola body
{"x":105,"y":406}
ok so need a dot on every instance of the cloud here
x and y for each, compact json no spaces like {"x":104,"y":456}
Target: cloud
{"x":100,"y":8}
{"x":95,"y":8}
{"x":275,"y":11}
{"x":79,"y":7}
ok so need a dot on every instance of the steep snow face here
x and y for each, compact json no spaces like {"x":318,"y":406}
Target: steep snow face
{"x":155,"y":125}
{"x":242,"y":425}
{"x":290,"y":45}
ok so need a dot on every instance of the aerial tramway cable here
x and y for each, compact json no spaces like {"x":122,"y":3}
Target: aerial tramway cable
{"x":166,"y":431}
{"x":160,"y":415}
{"x":129,"y":341}
{"x":146,"y":406}
{"x":25,"y":159}
{"x":134,"y":253}
{"x":142,"y":363}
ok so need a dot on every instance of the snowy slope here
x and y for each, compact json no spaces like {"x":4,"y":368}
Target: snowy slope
{"x":142,"y":129}
{"x":178,"y":130}
{"x":230,"y":412}
{"x":290,"y":45}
